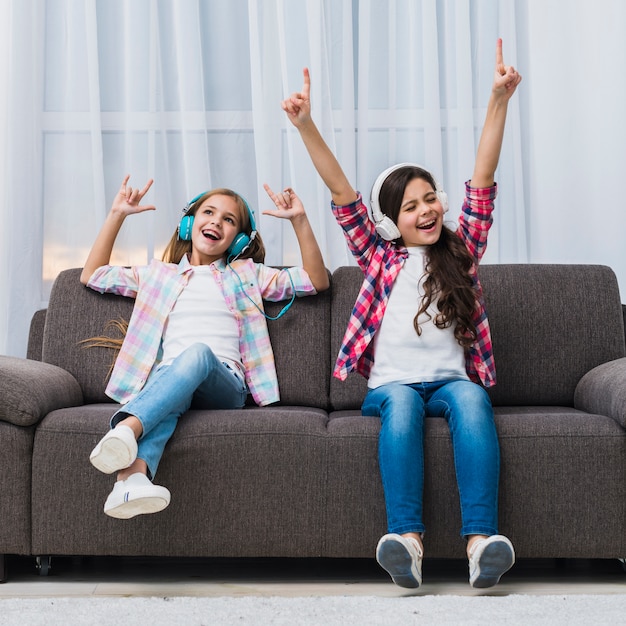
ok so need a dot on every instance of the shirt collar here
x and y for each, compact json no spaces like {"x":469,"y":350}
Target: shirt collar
{"x":184,"y":265}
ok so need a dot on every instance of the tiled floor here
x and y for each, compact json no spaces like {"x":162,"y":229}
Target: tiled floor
{"x":103,"y":576}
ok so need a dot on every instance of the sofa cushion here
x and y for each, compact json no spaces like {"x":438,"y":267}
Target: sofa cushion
{"x":550,"y":324}
{"x":31,"y":389}
{"x":244,"y":483}
{"x":75,"y":313}
{"x":346,"y":282}
{"x":301,"y":345}
{"x":35,"y":335}
{"x":553,"y":460}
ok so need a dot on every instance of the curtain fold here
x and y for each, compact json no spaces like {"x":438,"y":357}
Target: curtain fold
{"x":188,"y":92}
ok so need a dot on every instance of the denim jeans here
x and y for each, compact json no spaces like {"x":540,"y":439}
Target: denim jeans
{"x":196,"y":378}
{"x":467,"y":409}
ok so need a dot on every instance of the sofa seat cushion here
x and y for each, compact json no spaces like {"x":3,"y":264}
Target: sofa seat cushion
{"x":549,"y":457}
{"x":243,"y":483}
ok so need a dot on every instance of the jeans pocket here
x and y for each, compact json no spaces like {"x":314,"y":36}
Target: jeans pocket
{"x":237,"y":374}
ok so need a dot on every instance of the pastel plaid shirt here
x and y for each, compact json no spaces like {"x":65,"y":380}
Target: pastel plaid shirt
{"x":381,"y":262}
{"x":156,"y":288}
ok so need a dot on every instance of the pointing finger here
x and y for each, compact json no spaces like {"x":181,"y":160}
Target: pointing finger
{"x":306,"y":87}
{"x":499,"y":58}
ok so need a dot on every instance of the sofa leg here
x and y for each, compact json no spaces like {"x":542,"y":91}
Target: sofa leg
{"x":3,"y":568}
{"x":43,"y":564}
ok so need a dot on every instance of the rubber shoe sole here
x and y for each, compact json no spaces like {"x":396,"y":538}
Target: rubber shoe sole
{"x":491,"y":559}
{"x":115,"y":451}
{"x":401,"y":558}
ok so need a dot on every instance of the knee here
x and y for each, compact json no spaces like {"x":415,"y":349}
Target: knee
{"x":472,"y":408}
{"x":400,"y":407}
{"x":473,"y":397}
{"x":198,"y":355}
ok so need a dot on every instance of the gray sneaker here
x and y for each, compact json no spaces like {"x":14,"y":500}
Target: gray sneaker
{"x":489,"y":559}
{"x":401,"y":557}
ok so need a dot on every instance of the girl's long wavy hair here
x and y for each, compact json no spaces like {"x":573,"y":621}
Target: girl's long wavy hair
{"x":175,"y":250}
{"x":448,"y":264}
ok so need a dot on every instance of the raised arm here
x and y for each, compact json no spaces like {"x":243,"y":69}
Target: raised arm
{"x":126,"y":202}
{"x":289,"y":206}
{"x":298,"y":109}
{"x":505,"y":83}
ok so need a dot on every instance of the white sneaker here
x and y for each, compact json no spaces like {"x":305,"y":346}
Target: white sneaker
{"x":115,"y":451}
{"x":136,"y":496}
{"x":489,"y":559}
{"x":402,"y":558}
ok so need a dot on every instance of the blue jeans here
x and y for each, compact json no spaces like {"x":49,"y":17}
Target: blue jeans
{"x":196,"y":378}
{"x":467,"y":409}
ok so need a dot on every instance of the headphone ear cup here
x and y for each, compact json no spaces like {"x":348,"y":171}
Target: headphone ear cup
{"x":387,"y":229}
{"x":239,"y":245}
{"x":443,"y":199}
{"x":185,"y":227}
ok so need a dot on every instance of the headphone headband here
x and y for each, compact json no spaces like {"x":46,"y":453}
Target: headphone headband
{"x":385,"y":226}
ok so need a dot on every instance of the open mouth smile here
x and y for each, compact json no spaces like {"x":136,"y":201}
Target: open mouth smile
{"x":427,"y":225}
{"x":210,"y":234}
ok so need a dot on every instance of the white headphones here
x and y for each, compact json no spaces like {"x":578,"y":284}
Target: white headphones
{"x":385,"y":226}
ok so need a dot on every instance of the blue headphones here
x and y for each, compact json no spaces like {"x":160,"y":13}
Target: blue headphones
{"x":240,"y":243}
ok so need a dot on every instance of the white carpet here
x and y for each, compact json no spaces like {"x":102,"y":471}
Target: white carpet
{"x":570,"y":610}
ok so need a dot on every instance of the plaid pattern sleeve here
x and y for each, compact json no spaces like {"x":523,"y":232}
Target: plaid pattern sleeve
{"x":155,"y":289}
{"x":380,"y":262}
{"x":474,"y":224}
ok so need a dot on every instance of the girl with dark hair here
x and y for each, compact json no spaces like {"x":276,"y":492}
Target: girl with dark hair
{"x":197,"y":335}
{"x":419,"y":333}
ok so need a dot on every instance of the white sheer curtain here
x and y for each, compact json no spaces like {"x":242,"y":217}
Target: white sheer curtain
{"x":188,"y":92}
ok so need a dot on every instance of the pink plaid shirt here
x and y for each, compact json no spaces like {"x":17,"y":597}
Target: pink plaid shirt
{"x":156,"y":288}
{"x":381,"y":262}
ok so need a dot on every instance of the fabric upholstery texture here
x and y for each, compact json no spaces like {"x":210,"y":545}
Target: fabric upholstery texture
{"x":16,"y":450}
{"x":35,"y":335}
{"x":30,"y":390}
{"x":301,"y":478}
{"x":238,"y":479}
{"x":602,"y":390}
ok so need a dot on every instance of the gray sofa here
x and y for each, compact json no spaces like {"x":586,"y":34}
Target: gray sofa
{"x":301,"y":479}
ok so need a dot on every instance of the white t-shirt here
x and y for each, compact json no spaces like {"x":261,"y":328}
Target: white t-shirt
{"x":201,"y":315}
{"x":400,"y":354}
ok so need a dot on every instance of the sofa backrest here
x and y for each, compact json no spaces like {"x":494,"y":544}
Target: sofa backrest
{"x":550,"y":324}
{"x":299,"y":339}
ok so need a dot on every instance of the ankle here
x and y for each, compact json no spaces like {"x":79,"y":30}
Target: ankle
{"x":417,"y":537}
{"x":138,"y":466}
{"x":471,"y":540}
{"x":134,"y":424}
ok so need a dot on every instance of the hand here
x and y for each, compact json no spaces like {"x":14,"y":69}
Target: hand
{"x":288,"y":204}
{"x":127,"y":200}
{"x":298,"y":105}
{"x":506,"y":77}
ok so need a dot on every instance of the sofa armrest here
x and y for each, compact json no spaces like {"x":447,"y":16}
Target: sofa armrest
{"x":29,"y":390}
{"x":603,"y":391}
